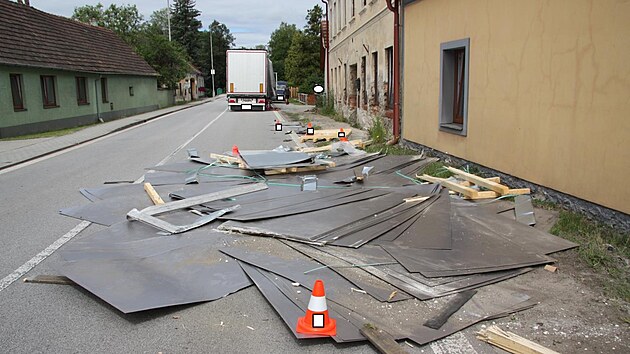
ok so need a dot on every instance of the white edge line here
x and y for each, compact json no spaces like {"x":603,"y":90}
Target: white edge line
{"x":28,"y":266}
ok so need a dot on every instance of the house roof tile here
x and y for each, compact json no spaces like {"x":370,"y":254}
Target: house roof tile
{"x":33,"y":38}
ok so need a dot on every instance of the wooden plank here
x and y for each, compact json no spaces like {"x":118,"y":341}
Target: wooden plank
{"x":468,"y":192}
{"x":491,"y":194}
{"x":480,"y":181}
{"x":469,"y":184}
{"x":279,"y":171}
{"x":153,"y":194}
{"x":382,"y":340}
{"x":325,"y":134}
{"x":50,"y":279}
{"x":226,"y":159}
{"x":511,"y":342}
{"x":357,"y":143}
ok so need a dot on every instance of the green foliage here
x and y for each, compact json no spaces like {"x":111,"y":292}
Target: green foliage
{"x":302,"y":67}
{"x":185,"y":28}
{"x":601,"y":247}
{"x":377,"y":131}
{"x":222,"y":40}
{"x":124,"y":20}
{"x":326,"y":104}
{"x":279,"y":45}
{"x":169,"y":59}
{"x":436,"y":169}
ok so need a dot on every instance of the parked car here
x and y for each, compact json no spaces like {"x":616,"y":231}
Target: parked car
{"x":282,"y":92}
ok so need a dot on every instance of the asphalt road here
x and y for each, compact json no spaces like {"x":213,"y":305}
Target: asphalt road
{"x":66,"y":319}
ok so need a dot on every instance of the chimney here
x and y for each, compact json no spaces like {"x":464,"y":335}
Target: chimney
{"x":27,"y":2}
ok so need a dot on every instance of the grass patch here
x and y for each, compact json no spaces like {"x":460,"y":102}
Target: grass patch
{"x":49,"y":134}
{"x":377,"y":131}
{"x":295,"y":101}
{"x":601,"y":247}
{"x":436,"y":169}
{"x":389,"y":149}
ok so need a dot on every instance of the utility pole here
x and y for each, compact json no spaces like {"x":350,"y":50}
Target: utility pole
{"x":211,"y":61}
{"x":168,"y":18}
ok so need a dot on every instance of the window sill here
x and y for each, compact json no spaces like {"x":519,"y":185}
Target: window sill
{"x":363,"y":10}
{"x":352,"y":20}
{"x":83,"y":103}
{"x":20,"y":109}
{"x":51,"y":106}
{"x":453,"y":128}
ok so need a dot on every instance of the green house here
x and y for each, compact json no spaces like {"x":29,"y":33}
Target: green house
{"x":58,"y":73}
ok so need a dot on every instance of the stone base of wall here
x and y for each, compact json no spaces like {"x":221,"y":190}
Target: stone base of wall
{"x":65,"y":123}
{"x":610,"y":217}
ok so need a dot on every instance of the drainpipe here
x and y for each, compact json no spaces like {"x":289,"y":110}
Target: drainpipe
{"x":395,"y":9}
{"x":98,"y":112}
{"x":326,"y":44}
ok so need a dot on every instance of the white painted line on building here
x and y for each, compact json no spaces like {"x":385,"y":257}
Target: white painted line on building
{"x":453,"y":344}
{"x":26,"y":267}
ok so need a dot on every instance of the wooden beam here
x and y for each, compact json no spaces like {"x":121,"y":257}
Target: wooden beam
{"x":511,"y":342}
{"x":469,"y":184}
{"x":153,"y":194}
{"x":491,"y":194}
{"x":279,"y":171}
{"x":226,"y":159}
{"x":50,"y":279}
{"x":480,"y":181}
{"x":357,"y":143}
{"x":382,"y":340}
{"x":468,"y":192}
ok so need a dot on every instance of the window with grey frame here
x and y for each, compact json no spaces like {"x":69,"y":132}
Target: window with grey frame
{"x":455,"y":56}
{"x":17,"y":92}
{"x":82,"y":90}
{"x":49,"y":94}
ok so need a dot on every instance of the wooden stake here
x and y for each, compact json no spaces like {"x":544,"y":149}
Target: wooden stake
{"x":155,"y":197}
{"x":480,"y":181}
{"x":511,"y":342}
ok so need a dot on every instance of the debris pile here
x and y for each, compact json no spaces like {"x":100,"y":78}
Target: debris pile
{"x":381,"y":240}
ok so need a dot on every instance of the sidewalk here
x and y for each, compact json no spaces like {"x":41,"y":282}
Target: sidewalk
{"x":17,"y":151}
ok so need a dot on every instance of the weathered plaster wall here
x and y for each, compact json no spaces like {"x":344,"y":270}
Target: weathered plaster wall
{"x":549,"y":89}
{"x":369,"y":30}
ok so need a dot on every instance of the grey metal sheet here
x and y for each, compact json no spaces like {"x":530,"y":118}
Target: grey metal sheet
{"x":524,"y":210}
{"x":376,"y":287}
{"x":294,"y":269}
{"x":431,"y":229}
{"x":293,"y":307}
{"x":181,"y":167}
{"x":414,"y":283}
{"x":269,"y":159}
{"x":477,"y":247}
{"x":304,"y":227}
{"x":527,"y":237}
{"x":173,"y":277}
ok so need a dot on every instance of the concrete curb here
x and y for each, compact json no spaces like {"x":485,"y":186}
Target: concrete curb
{"x":118,"y":129}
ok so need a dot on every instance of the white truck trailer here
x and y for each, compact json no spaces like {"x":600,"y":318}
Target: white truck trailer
{"x":250,"y":80}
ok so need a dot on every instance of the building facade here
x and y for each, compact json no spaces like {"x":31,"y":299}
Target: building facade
{"x":360,"y":58}
{"x":536,"y":89}
{"x":58,"y":73}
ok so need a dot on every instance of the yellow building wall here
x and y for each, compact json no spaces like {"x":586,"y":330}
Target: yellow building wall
{"x":549,"y":90}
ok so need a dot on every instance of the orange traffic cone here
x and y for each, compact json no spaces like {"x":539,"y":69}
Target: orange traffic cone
{"x":235,"y":152}
{"x":342,"y":135}
{"x":317,"y":320}
{"x":309,"y":129}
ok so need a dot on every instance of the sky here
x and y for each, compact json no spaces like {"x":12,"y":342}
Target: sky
{"x":250,"y":21}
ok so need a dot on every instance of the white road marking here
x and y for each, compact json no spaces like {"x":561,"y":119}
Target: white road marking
{"x":26,"y":267}
{"x":453,"y":344}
